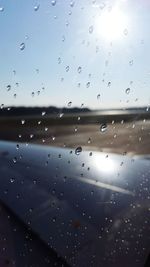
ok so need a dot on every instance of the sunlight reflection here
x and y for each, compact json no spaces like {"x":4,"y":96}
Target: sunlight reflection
{"x":112,"y":24}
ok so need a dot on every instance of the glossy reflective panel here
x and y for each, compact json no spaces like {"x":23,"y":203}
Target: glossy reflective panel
{"x":77,"y":205}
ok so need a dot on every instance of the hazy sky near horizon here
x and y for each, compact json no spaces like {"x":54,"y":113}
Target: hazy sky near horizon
{"x":87,"y":52}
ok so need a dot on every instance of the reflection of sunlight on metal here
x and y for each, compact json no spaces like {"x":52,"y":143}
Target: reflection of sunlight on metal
{"x":112,"y":24}
{"x":105,"y":165}
{"x":106,"y":186}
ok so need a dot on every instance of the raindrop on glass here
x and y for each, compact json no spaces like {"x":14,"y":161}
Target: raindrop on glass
{"x":125,"y":32}
{"x":63,"y":38}
{"x":78,"y":150}
{"x":67,"y":68}
{"x":127,"y":91}
{"x":8,"y":87}
{"x":43,"y":113}
{"x":61,"y":115}
{"x":88,"y":85}
{"x":59,"y":60}
{"x":69,"y":104}
{"x":89,"y":141}
{"x":90,"y":29}
{"x":109,"y":84}
{"x":14,"y":160}
{"x":12,"y":180}
{"x":131,"y":62}
{"x":53,"y":2}
{"x":36,"y":7}
{"x":22,"y":122}
{"x":79,"y":69}
{"x":72,"y":3}
{"x":1,"y":8}
{"x":103,"y":127}
{"x":17,"y":146}
{"x":22,"y":46}
{"x":98,"y":96}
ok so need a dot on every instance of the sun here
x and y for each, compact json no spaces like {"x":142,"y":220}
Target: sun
{"x":112,"y":24}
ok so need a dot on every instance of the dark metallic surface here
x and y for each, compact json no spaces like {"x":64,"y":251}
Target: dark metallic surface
{"x":91,"y":208}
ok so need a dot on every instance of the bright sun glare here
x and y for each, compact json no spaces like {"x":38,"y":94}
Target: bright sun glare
{"x":112,"y":25}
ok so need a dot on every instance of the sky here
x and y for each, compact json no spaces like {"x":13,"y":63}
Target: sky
{"x":87,"y":52}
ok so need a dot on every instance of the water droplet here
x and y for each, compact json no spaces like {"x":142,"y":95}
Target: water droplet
{"x":15,"y":95}
{"x":53,"y":2}
{"x":67,"y":23}
{"x":31,"y":136}
{"x":8,"y":87}
{"x":89,"y":141}
{"x":22,"y":122}
{"x":43,"y":113}
{"x":88,"y":85}
{"x":53,"y":138}
{"x":131,"y":62}
{"x":36,"y":7}
{"x":12,"y":180}
{"x":127,"y":91}
{"x":91,"y":29}
{"x":79,"y":118}
{"x":67,"y":68}
{"x":61,"y":115}
{"x":32,"y":94}
{"x":79,"y":69}
{"x":46,"y":129}
{"x":59,"y":60}
{"x":14,"y":72}
{"x":69,"y":104}
{"x":2,"y":106}
{"x":1,"y":8}
{"x":98,"y":96}
{"x":78,"y":150}
{"x":22,"y":46}
{"x":109,"y":84}
{"x":103,"y":127}
{"x":63,"y":38}
{"x":125,"y":32}
{"x":72,"y":3}
{"x":54,"y":220}
{"x":39,"y":122}
{"x":14,"y":160}
{"x":17,"y":146}
{"x":37,"y":71}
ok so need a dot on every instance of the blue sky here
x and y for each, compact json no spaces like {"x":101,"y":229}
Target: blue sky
{"x":111,"y":47}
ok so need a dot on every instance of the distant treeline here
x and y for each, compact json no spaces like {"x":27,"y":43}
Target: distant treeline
{"x":27,"y":111}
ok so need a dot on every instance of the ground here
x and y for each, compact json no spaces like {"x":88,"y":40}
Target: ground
{"x":130,"y":137}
